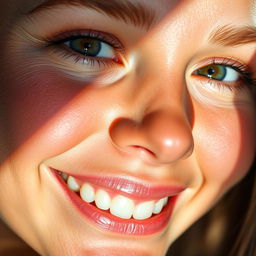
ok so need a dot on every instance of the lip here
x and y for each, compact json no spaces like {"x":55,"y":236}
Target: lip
{"x":134,"y":188}
{"x":106,"y":221}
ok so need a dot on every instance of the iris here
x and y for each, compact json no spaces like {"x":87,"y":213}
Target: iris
{"x":86,"y":46}
{"x":217,"y":72}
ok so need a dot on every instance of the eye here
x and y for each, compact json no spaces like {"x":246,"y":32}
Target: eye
{"x":91,"y":47}
{"x":219,"y":72}
{"x":88,"y":48}
{"x":221,"y":82}
{"x":88,"y":55}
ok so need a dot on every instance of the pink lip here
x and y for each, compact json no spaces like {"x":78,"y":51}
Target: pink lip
{"x":136,"y":189}
{"x":107,"y":221}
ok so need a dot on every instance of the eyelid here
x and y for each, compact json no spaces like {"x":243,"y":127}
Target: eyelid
{"x":213,"y":92}
{"x":243,"y":69}
{"x":86,"y":68}
{"x":75,"y":34}
{"x":58,"y":42}
{"x":225,"y":61}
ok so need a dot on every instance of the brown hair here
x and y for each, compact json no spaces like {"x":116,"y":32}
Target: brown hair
{"x":246,"y":240}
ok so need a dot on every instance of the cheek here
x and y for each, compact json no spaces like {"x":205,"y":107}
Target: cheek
{"x":226,"y":145}
{"x":35,"y":101}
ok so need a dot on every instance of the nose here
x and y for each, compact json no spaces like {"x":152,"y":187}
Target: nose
{"x":163,"y":136}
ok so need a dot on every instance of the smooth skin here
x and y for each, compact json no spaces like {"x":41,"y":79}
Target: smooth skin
{"x":158,"y":122}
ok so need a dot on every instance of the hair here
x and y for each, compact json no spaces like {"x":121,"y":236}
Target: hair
{"x":246,"y":240}
{"x":228,"y":229}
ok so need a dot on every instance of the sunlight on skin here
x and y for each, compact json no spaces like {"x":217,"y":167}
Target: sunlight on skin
{"x":143,"y":118}
{"x":254,"y":11}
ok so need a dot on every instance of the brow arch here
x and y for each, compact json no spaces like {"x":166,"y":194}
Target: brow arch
{"x":135,"y":13}
{"x":229,"y":35}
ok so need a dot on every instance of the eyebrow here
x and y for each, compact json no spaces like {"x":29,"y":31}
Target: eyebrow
{"x":134,"y":13}
{"x":143,"y":16}
{"x":233,"y":36}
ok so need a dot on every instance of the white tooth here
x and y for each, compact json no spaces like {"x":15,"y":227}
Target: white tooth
{"x":87,"y":193}
{"x":143,"y":210}
{"x":72,"y":184}
{"x":102,"y":199}
{"x":159,"y":206}
{"x":122,"y":207}
{"x":165,"y":201}
{"x":64,"y":176}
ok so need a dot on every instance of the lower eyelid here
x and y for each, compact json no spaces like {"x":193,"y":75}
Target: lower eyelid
{"x":229,"y":84}
{"x":85,"y":69}
{"x":68,"y":55}
{"x":216,"y":94}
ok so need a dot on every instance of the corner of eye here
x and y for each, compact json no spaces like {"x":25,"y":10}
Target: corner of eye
{"x":129,"y":61}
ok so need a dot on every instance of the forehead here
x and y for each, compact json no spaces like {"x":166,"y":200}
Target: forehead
{"x":17,"y":7}
{"x":12,"y":9}
{"x":211,"y":10}
{"x":27,"y":5}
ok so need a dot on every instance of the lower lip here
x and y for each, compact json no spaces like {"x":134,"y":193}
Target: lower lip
{"x":109,"y":222}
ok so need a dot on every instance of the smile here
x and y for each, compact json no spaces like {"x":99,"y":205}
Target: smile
{"x":120,"y":205}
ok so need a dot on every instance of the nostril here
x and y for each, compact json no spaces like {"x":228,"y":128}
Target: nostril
{"x":143,"y":150}
{"x":161,"y":136}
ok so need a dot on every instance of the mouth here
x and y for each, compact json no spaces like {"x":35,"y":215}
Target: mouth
{"x":120,"y":205}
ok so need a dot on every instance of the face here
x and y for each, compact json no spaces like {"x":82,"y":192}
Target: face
{"x":122,"y":124}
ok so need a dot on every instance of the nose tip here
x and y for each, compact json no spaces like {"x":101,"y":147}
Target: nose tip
{"x":162,"y":136}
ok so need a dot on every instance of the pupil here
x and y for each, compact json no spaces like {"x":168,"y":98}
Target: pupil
{"x":86,"y":46}
{"x":211,"y":71}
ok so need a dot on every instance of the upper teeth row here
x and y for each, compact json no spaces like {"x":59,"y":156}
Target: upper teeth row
{"x":119,"y":205}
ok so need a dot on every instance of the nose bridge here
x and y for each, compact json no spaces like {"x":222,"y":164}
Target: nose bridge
{"x":156,"y":124}
{"x":158,"y":69}
{"x":159,"y":81}
{"x":152,"y":88}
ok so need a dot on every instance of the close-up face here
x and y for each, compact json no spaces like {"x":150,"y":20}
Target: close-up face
{"x":122,"y":122}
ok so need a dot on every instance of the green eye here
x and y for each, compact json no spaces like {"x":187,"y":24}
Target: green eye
{"x":218,"y":72}
{"x":92,"y":47}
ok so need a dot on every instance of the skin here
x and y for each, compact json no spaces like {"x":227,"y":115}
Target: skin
{"x":53,"y":119}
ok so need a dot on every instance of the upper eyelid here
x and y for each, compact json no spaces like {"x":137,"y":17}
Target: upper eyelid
{"x":241,"y":70}
{"x":98,"y":35}
{"x":225,"y":61}
{"x":56,"y":41}
{"x":244,"y":70}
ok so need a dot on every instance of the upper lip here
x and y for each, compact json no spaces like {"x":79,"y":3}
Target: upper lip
{"x":137,"y":188}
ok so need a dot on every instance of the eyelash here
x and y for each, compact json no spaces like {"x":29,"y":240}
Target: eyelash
{"x":108,"y":39}
{"x":246,"y":76}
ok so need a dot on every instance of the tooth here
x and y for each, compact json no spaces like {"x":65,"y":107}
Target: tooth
{"x":165,"y":201}
{"x":122,"y":207}
{"x":64,"y":176}
{"x":159,"y":206}
{"x":102,"y":199}
{"x":72,"y":184}
{"x":143,"y":210}
{"x":87,"y":193}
